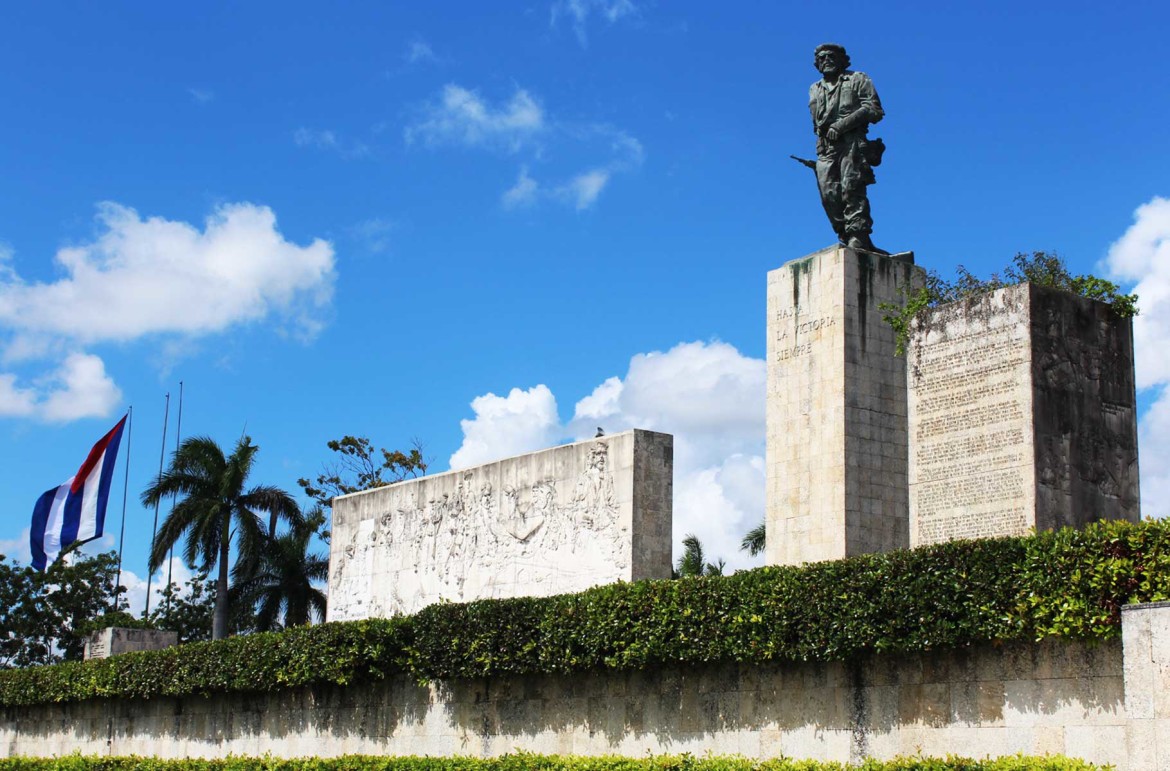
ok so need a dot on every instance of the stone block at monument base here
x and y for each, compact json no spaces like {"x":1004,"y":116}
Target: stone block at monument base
{"x":836,"y":407}
{"x":1022,"y":415}
{"x":115,"y":639}
{"x":554,"y":521}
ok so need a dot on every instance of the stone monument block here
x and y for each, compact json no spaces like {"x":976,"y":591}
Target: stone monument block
{"x":836,"y":407}
{"x":559,"y":520}
{"x":115,"y":639}
{"x":1022,"y":415}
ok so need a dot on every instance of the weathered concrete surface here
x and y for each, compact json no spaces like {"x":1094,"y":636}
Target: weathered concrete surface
{"x":1146,"y":639}
{"x":115,"y":639}
{"x":1051,"y":698}
{"x":555,"y":521}
{"x":1022,"y":415}
{"x":836,"y":408}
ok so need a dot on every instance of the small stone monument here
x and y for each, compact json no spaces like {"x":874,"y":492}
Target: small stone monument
{"x":1022,"y":414}
{"x":554,"y":521}
{"x":836,"y":407}
{"x":115,"y":639}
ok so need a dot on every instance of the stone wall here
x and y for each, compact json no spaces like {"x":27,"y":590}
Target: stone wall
{"x":1022,"y":414}
{"x":1055,"y":697}
{"x":115,"y":639}
{"x":555,"y":521}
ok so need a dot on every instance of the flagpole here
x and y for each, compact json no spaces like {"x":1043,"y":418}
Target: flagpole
{"x":125,"y":487}
{"x":154,"y":531}
{"x":178,"y":434}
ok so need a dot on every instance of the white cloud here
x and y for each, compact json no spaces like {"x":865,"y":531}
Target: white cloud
{"x":418,"y":51}
{"x":708,"y":395}
{"x":520,"y":422}
{"x":374,"y":234}
{"x":136,"y":586}
{"x":325,"y":139}
{"x":201,"y":95}
{"x":523,"y":193}
{"x":584,"y":189}
{"x":83,"y":390}
{"x":156,"y":276}
{"x":579,"y":12}
{"x":1141,"y":257}
{"x":459,"y":116}
{"x":17,"y":549}
{"x":14,"y":400}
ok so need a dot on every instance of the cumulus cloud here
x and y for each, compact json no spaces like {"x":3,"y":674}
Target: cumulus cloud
{"x":578,"y":12}
{"x":157,"y":276}
{"x":1141,"y":258}
{"x":150,"y":278}
{"x":520,"y":422}
{"x":136,"y":586}
{"x":582,"y":190}
{"x":708,"y":395}
{"x":459,"y":116}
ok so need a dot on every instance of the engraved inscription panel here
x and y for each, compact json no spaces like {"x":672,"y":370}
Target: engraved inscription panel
{"x":971,"y":445}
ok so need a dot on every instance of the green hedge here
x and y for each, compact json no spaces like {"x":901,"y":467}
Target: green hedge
{"x":1068,"y":584}
{"x":527,"y":762}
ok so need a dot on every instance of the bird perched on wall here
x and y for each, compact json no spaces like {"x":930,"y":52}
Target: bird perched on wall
{"x":600,"y":432}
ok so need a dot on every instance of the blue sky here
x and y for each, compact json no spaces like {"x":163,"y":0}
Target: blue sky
{"x":492,"y":226}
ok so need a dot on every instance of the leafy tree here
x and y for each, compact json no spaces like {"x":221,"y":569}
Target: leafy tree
{"x":1040,"y":268}
{"x":358,"y":468}
{"x":215,"y":508}
{"x":187,"y":609}
{"x":45,"y":617}
{"x":754,"y":541}
{"x":280,"y":587}
{"x":693,"y":561}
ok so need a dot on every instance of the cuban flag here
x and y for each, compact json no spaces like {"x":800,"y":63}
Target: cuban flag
{"x":75,"y":512}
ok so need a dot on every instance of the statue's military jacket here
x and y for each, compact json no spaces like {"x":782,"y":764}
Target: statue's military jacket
{"x":854,"y":102}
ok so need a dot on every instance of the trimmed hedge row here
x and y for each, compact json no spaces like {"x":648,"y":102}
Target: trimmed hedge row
{"x":1068,"y":584}
{"x":527,"y":762}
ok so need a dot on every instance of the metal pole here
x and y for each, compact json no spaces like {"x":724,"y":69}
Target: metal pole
{"x":125,"y":487}
{"x":171,"y":557}
{"x":154,"y":531}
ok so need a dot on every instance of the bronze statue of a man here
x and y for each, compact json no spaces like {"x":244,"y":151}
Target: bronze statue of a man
{"x":843,"y":104}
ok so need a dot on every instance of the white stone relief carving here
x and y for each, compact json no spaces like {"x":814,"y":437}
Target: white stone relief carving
{"x":532,"y":525}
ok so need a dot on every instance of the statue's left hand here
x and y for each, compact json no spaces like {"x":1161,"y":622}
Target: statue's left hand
{"x":832,"y":134}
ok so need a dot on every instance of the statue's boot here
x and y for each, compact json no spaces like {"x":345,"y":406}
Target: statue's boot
{"x":861,"y":242}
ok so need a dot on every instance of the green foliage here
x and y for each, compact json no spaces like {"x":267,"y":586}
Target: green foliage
{"x":186,"y":609}
{"x":523,"y":761}
{"x":693,"y":562}
{"x":1068,"y":584}
{"x":1040,"y":268}
{"x":280,"y":587}
{"x":328,"y":653}
{"x":215,"y":509}
{"x":45,"y":617}
{"x":357,"y":468}
{"x":755,"y":540}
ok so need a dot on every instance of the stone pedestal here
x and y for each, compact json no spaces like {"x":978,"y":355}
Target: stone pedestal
{"x":1145,"y":634}
{"x":115,"y":639}
{"x":836,"y":408}
{"x":1022,"y":415}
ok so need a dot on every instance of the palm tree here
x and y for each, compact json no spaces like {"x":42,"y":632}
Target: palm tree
{"x":693,"y":562}
{"x":754,"y":541}
{"x":281,"y":582}
{"x":214,"y":509}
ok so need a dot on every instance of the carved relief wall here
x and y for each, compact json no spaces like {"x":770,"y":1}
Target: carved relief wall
{"x":559,"y":520}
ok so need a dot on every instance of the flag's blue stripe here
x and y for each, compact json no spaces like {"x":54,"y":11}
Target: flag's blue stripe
{"x":36,"y":536}
{"x":108,"y":464}
{"x":71,"y":520}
